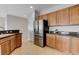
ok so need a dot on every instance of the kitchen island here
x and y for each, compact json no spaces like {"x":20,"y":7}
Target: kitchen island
{"x":9,"y":42}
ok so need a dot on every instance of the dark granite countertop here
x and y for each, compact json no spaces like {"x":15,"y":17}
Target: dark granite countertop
{"x":5,"y":35}
{"x":65,"y":33}
{"x":8,"y":35}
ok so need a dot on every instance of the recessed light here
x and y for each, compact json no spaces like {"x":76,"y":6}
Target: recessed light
{"x":31,"y":6}
{"x":25,"y":16}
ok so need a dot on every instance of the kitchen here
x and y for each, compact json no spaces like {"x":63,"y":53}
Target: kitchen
{"x":61,"y":30}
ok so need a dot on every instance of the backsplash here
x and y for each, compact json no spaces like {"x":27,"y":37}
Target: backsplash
{"x":9,"y":31}
{"x":65,"y":28}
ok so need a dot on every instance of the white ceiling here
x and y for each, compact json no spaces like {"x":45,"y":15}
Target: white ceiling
{"x":41,"y":7}
{"x":21,"y":9}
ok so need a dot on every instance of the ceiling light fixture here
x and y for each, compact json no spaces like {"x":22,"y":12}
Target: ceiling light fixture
{"x":31,"y":6}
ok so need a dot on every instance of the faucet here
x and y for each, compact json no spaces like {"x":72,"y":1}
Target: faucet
{"x":56,"y":30}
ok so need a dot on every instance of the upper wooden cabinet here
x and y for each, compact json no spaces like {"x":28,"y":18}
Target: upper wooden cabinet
{"x":42,"y":17}
{"x":67,"y":16}
{"x":51,"y":19}
{"x":63,"y":17}
{"x":39,"y":17}
{"x":74,"y":15}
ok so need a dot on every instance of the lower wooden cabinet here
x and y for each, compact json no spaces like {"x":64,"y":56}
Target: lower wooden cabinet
{"x":5,"y":48}
{"x":50,"y":41}
{"x":58,"y":42}
{"x":63,"y":43}
{"x":13,"y":42}
{"x":67,"y":44}
{"x":8,"y":44}
{"x":18,"y":40}
{"x":75,"y":45}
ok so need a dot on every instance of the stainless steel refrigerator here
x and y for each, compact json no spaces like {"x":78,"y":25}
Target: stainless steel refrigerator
{"x":40,"y":30}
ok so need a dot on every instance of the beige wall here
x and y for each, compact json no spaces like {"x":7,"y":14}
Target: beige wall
{"x":2,"y":23}
{"x":31,"y":18}
{"x":18,"y":23}
{"x":66,"y":28}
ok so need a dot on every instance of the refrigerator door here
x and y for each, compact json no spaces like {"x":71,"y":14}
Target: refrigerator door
{"x":36,"y":26}
{"x":41,"y":27}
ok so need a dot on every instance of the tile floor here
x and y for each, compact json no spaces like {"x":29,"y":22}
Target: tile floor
{"x":28,"y":48}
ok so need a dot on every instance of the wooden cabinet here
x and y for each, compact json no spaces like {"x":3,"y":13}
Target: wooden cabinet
{"x":66,"y":44}
{"x":58,"y":42}
{"x":5,"y":48}
{"x":63,"y":17}
{"x":13,"y":42}
{"x":18,"y":40}
{"x":75,"y":45}
{"x":67,"y":16}
{"x":50,"y":41}
{"x":51,"y":19}
{"x":42,"y":17}
{"x":74,"y":15}
{"x":63,"y":43}
{"x":9,"y":43}
{"x":39,"y":17}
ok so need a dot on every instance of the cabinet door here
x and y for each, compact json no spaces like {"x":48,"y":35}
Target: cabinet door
{"x":13,"y":42}
{"x":51,"y":40}
{"x":5,"y":48}
{"x":74,"y":15}
{"x":19,"y":40}
{"x":58,"y":42}
{"x":63,"y":17}
{"x":44,"y":17}
{"x":63,"y":43}
{"x":66,"y":42}
{"x":40,"y":18}
{"x":48,"y":41}
{"x":0,"y":49}
{"x":51,"y":19}
{"x":75,"y":45}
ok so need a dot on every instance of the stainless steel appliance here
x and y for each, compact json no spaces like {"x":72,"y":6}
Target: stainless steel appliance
{"x":40,"y":30}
